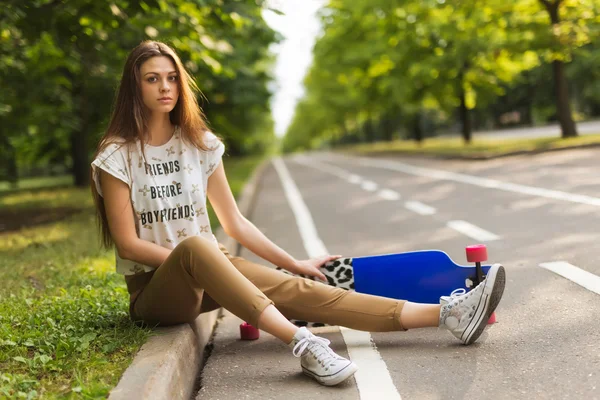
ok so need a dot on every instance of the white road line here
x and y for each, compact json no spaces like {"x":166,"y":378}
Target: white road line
{"x":388,"y":194}
{"x":369,"y":186}
{"x":355,"y":179}
{"x":373,"y":378}
{"x":312,"y":243}
{"x":472,"y":231}
{"x":375,"y":385}
{"x":365,"y":184}
{"x":575,"y":274}
{"x":330,"y":169}
{"x":420,"y":208}
{"x":477,"y":181}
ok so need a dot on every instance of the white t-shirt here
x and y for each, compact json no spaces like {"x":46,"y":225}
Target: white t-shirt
{"x":168,"y":191}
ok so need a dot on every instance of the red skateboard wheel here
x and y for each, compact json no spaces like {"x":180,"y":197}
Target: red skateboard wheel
{"x":476,"y":253}
{"x":248,"y":332}
{"x":492,"y":319}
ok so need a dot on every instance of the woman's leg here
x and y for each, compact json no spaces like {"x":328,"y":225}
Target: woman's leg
{"x":416,"y":315}
{"x":413,"y":315}
{"x":304,"y":299}
{"x":174,"y":294}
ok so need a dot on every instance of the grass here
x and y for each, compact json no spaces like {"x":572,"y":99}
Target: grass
{"x":479,"y":148}
{"x":37,"y":183}
{"x":45,"y":198}
{"x":64,"y":325}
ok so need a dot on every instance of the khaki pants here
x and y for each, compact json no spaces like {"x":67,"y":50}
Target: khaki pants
{"x":198,"y":277}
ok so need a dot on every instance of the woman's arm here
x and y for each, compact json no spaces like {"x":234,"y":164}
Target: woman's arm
{"x":248,"y":235}
{"x":122,"y":225}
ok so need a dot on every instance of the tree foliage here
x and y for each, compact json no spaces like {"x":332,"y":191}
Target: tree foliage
{"x":60,"y":63}
{"x":379,"y":62}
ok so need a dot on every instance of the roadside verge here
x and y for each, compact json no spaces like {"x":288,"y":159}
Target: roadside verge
{"x":480,"y":149}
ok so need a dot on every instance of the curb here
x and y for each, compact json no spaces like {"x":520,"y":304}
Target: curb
{"x":168,"y":364}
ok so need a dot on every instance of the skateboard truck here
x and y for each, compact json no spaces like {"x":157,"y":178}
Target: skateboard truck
{"x":248,"y":332}
{"x":478,"y":253}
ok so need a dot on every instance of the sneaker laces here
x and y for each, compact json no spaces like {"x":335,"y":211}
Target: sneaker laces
{"x":457,"y":293}
{"x":318,"y":346}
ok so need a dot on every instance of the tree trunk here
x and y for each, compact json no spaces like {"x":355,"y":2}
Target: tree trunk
{"x":563,"y":106}
{"x":528,"y":111}
{"x":345,"y":133}
{"x":463,"y":111}
{"x":79,"y":139}
{"x":387,"y":127}
{"x":79,"y":150}
{"x":368,"y":130}
{"x":465,"y":117}
{"x":416,"y":128}
{"x":9,"y":152}
{"x":11,"y":168}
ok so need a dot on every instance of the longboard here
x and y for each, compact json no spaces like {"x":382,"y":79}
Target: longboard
{"x":417,"y":276}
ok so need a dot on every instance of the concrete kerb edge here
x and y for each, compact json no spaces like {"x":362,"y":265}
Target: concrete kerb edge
{"x":167,"y":365}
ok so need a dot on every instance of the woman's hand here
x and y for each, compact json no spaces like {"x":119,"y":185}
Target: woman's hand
{"x":311,"y":267}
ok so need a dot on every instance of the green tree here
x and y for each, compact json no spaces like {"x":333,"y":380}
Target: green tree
{"x":411,"y":56}
{"x":557,"y":28}
{"x":381,"y":59}
{"x":64,"y":59}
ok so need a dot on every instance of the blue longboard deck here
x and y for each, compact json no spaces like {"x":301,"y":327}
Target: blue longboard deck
{"x":417,"y":276}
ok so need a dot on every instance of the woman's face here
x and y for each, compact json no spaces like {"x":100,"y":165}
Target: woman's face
{"x":160,"y":84}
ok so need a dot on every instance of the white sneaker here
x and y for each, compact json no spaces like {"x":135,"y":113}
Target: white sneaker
{"x":466,"y":314}
{"x":319,"y":361}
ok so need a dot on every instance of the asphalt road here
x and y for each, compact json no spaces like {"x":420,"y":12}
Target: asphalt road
{"x":532,"y":210}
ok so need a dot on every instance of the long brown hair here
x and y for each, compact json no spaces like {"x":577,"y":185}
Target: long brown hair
{"x":129,"y":120}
